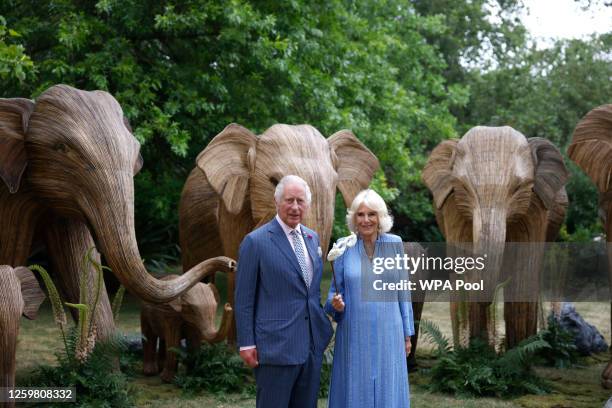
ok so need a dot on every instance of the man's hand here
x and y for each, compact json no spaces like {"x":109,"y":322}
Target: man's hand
{"x":408,"y":346}
{"x":338,"y":303}
{"x":250,"y":357}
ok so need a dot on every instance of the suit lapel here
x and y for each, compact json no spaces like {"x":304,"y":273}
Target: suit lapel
{"x":280,"y":239}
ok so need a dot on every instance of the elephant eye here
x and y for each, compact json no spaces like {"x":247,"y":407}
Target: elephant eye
{"x":61,"y":147}
{"x":273,"y":180}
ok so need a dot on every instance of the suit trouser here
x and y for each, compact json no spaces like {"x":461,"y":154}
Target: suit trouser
{"x":289,"y":386}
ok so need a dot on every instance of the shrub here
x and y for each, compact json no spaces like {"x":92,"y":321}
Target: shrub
{"x":326,"y":371}
{"x":478,"y":371}
{"x":213,"y":368}
{"x":96,"y":380}
{"x":90,"y":366}
{"x":562,"y":352}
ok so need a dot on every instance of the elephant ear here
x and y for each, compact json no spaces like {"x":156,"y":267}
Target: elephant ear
{"x":14,"y":116}
{"x":31,"y":292}
{"x":437,"y":174}
{"x":550,"y":172}
{"x":139,"y":161}
{"x":227,"y":162}
{"x":591,"y":146}
{"x":354,"y":163}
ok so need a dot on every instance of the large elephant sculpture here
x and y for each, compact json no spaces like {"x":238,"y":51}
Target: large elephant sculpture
{"x":495,"y":186}
{"x":231,"y":191}
{"x":67,"y":163}
{"x":191,"y":316}
{"x":19,"y":295}
{"x":591,"y":149}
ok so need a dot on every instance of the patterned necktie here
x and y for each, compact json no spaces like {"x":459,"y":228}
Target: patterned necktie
{"x":301,"y":257}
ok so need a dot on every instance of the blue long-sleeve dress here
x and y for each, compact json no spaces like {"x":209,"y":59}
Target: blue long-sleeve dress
{"x":369,"y":366}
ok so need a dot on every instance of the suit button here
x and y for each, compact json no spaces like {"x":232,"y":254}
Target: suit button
{"x":306,"y":318}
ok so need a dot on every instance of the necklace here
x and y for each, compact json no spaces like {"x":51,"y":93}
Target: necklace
{"x":370,"y":248}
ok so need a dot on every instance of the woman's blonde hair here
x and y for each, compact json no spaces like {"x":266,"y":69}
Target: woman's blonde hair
{"x":374,"y":201}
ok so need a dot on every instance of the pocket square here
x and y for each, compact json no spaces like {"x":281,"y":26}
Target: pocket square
{"x":319,"y":252}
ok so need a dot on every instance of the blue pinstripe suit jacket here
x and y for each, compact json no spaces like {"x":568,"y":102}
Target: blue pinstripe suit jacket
{"x":274,"y":309}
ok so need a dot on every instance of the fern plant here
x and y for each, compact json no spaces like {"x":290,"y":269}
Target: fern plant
{"x":96,"y":381}
{"x":562,"y":352}
{"x":214,"y":368}
{"x":85,"y":364}
{"x":478,"y":371}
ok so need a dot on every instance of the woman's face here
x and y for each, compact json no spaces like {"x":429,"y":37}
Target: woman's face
{"x":367,"y":221}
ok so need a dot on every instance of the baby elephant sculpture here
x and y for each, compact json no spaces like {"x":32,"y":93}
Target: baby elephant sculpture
{"x":191,"y":316}
{"x":19,"y":294}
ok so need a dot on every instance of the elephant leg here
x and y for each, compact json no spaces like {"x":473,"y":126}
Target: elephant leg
{"x":194,"y":341}
{"x":172,"y":336}
{"x":606,"y":375}
{"x":8,"y":346}
{"x":149,"y":347}
{"x":417,"y":311}
{"x":479,"y":320}
{"x":521,"y":322}
{"x":522,"y":270}
{"x":11,"y":308}
{"x":68,"y":242}
{"x":161,"y":354}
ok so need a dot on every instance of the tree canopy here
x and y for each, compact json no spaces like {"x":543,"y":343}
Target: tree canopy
{"x":402,"y":75}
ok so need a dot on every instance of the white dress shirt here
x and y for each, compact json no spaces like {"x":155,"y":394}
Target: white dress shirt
{"x":287,"y":229}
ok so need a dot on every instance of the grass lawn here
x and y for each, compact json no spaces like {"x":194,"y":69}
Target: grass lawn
{"x":575,"y":388}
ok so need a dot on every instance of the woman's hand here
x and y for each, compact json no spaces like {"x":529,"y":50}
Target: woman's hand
{"x":408,"y":346}
{"x":337,"y":303}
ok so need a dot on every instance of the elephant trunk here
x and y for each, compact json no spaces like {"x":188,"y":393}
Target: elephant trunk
{"x":489,"y":232}
{"x":216,"y":336}
{"x":113,"y":226}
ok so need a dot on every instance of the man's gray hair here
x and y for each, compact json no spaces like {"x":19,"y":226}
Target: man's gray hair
{"x":374,"y":201}
{"x":291,"y":179}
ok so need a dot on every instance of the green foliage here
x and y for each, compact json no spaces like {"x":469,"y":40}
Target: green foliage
{"x":56,"y":302}
{"x":433,"y":332}
{"x":214,"y":368}
{"x":117,"y":302}
{"x":481,"y":32}
{"x":545,"y":93}
{"x":86,"y":365}
{"x":326,"y":370}
{"x":96,"y":381}
{"x":562,"y":352}
{"x":14,"y":62}
{"x":478,"y":371}
{"x":403,"y":76}
{"x":183,"y":71}
{"x":86,"y":308}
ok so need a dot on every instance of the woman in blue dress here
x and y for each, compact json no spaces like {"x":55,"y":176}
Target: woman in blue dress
{"x":374,"y":328}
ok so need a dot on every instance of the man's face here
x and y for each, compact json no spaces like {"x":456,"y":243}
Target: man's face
{"x":293,"y":206}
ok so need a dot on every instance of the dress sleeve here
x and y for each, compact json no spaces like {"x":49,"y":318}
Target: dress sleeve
{"x":339,"y":272}
{"x":404,"y":299}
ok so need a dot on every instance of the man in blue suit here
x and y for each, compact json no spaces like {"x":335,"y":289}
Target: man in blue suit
{"x":282,"y":329}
